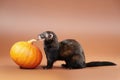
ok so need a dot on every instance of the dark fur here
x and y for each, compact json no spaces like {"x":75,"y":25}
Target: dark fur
{"x":68,"y":50}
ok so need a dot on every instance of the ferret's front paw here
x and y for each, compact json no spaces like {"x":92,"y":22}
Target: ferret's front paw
{"x":46,"y":67}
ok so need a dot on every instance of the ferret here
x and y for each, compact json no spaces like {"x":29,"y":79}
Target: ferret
{"x":68,"y":50}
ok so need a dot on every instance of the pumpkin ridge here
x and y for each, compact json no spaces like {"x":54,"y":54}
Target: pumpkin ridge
{"x":24,"y":56}
{"x":28,"y":57}
{"x":37,"y":54}
{"x":21,"y":54}
{"x":33,"y":57}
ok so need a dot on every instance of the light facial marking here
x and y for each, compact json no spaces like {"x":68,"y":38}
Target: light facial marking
{"x":46,"y":35}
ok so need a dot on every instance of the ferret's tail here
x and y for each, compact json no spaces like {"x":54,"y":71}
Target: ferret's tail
{"x":99,"y":63}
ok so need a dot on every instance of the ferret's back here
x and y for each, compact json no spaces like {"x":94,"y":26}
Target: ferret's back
{"x":70,"y":42}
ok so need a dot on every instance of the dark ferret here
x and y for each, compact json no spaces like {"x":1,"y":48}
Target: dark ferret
{"x":68,"y":50}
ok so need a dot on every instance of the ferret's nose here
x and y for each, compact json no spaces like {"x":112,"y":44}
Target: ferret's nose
{"x":40,"y":36}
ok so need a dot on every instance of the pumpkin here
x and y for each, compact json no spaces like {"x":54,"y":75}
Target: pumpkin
{"x":25,"y":54}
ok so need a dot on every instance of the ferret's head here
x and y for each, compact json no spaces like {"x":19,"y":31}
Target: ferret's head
{"x":47,"y":35}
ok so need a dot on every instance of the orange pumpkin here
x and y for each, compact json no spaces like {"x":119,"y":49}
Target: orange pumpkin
{"x":25,"y":54}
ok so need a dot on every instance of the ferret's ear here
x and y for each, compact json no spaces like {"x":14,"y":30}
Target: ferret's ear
{"x":50,"y":36}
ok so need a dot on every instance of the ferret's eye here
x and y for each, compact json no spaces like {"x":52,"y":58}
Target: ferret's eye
{"x":50,"y":36}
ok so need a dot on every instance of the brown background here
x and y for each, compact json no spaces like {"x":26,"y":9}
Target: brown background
{"x":94,"y":23}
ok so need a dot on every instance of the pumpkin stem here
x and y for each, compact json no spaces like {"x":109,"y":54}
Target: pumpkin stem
{"x":32,"y":40}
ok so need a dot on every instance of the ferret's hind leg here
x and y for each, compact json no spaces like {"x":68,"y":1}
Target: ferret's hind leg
{"x":77,"y":63}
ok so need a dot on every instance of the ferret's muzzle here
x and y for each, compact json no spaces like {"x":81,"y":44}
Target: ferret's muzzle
{"x":41,"y":36}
